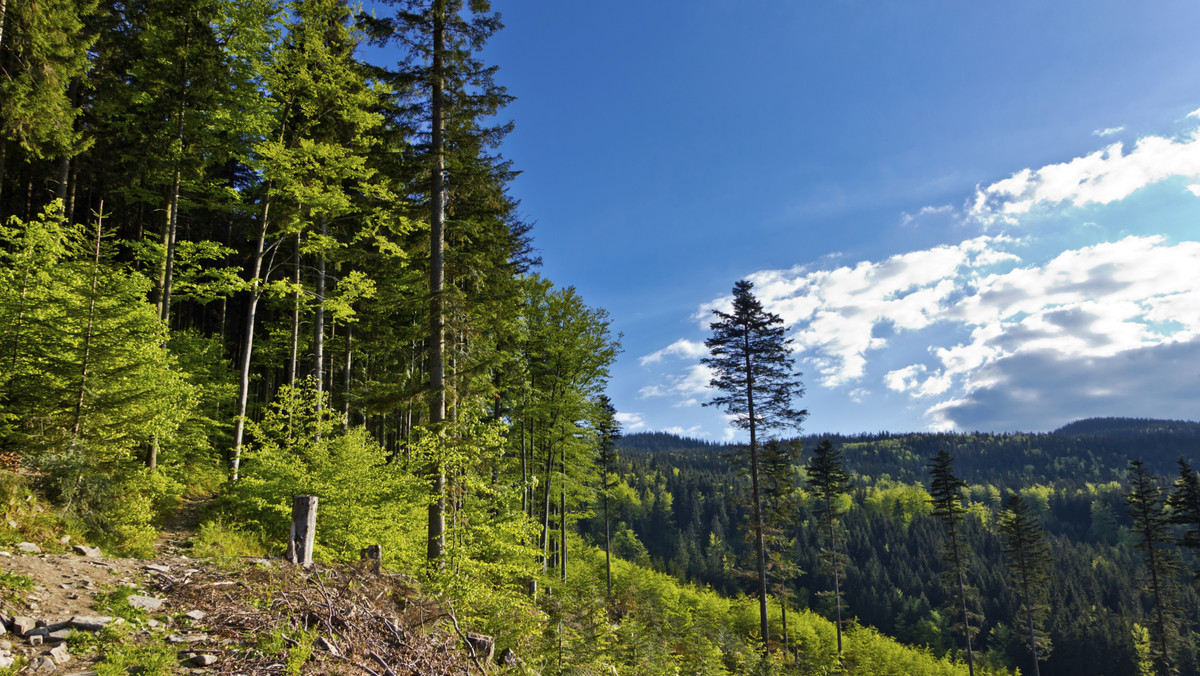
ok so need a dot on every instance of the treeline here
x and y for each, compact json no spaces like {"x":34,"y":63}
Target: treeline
{"x":216,"y":211}
{"x":678,"y":511}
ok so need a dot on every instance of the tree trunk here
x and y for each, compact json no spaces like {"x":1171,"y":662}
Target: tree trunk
{"x":760,"y":549}
{"x":437,"y":321}
{"x":87,"y":336}
{"x":346,"y":378}
{"x":248,"y":339}
{"x":607,"y":536}
{"x":296,"y":298}
{"x":562,"y":515}
{"x":319,"y":323}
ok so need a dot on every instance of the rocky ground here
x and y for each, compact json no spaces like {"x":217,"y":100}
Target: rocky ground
{"x":186,"y":615}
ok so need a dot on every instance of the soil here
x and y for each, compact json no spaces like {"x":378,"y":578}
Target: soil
{"x":217,"y":615}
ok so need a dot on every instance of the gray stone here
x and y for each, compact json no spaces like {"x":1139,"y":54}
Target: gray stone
{"x":196,"y":615}
{"x":145,"y":602}
{"x":90,"y":622}
{"x":22,"y":625}
{"x":203,"y":660}
{"x":37,"y":639}
{"x":89,"y":552}
{"x":157,"y":568}
{"x":186,"y":638}
{"x":28,"y":548}
{"x":59,"y":654}
{"x":41,"y":665}
{"x":58,"y":636}
{"x":6,"y":659}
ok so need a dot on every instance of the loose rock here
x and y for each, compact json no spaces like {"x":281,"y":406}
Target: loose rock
{"x":22,"y":625}
{"x":145,"y":602}
{"x":89,"y":552}
{"x":90,"y":622}
{"x":59,"y":654}
{"x":28,"y":548}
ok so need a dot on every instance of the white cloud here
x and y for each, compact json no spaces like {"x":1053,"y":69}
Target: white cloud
{"x":908,"y":219}
{"x":651,"y":391}
{"x":631,"y":422}
{"x":1110,"y":131}
{"x":915,"y":380}
{"x":683,"y":432}
{"x":688,"y":349}
{"x":1194,"y":113}
{"x":1102,"y":177}
{"x":983,"y":310}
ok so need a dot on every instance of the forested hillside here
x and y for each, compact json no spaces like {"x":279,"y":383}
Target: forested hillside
{"x":677,"y":508}
{"x":239,"y":262}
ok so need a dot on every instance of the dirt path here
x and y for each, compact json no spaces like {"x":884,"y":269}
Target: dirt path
{"x":176,"y":537}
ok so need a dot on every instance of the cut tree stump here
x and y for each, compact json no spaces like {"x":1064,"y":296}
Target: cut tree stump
{"x":304,"y":529}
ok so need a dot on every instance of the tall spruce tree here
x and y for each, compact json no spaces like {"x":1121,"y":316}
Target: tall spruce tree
{"x":1152,"y":526}
{"x":609,"y":430}
{"x":1184,"y":502}
{"x":829,"y":482}
{"x":946,"y":494}
{"x":756,"y":385}
{"x":1028,"y":567}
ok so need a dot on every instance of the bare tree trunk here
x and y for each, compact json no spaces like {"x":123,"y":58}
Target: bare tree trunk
{"x":346,"y":377}
{"x":437,"y":320}
{"x":319,"y":323}
{"x":562,"y":514}
{"x":87,"y":336}
{"x":173,"y":207}
{"x":248,"y":339}
{"x":295,"y":355}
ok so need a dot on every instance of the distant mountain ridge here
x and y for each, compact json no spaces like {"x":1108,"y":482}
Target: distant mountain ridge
{"x":1128,"y":427}
{"x":1093,"y":450}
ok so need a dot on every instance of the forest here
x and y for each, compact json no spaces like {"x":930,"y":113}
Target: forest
{"x":240,"y":262}
{"x":676,"y":508}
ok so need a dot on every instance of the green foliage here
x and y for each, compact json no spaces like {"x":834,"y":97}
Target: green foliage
{"x":299,"y":450}
{"x":222,"y":540}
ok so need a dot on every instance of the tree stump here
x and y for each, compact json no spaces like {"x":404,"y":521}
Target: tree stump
{"x":372,"y":555}
{"x":304,"y":529}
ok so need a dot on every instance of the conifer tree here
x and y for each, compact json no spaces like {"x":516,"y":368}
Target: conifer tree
{"x":829,"y":482}
{"x":1028,"y":564}
{"x":609,"y":430}
{"x":1152,"y":526}
{"x":946,"y":494}
{"x":1184,"y":502}
{"x":756,"y":385}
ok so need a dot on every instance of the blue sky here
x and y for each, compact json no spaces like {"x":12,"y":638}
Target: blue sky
{"x":974,"y":215}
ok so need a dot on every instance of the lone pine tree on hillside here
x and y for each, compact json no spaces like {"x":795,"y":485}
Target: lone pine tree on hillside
{"x":946,"y":494}
{"x":753,"y":374}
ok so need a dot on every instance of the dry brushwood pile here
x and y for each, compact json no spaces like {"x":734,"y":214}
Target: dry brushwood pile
{"x":341,"y":619}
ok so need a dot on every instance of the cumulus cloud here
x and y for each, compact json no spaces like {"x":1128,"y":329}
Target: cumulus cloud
{"x":991,"y":319}
{"x":1102,"y":177}
{"x":1044,"y":389}
{"x":687,"y":349}
{"x":631,"y":422}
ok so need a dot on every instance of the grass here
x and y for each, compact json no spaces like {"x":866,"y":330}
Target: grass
{"x":220,"y":540}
